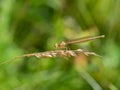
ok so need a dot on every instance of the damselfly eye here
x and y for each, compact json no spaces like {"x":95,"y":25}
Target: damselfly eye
{"x":56,"y":45}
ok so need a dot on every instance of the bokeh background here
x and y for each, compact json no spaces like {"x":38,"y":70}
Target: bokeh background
{"x":28,"y":26}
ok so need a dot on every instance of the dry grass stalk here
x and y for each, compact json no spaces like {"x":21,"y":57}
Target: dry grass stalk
{"x":59,"y":53}
{"x":55,"y":53}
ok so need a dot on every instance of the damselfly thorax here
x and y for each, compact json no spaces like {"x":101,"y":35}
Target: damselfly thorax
{"x":64,"y":44}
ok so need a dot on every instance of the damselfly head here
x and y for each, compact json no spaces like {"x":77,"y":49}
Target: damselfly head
{"x":60,"y":45}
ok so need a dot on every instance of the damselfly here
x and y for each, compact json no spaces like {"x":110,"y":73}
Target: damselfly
{"x":64,"y":44}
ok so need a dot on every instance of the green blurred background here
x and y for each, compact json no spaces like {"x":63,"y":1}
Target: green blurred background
{"x":28,"y":26}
